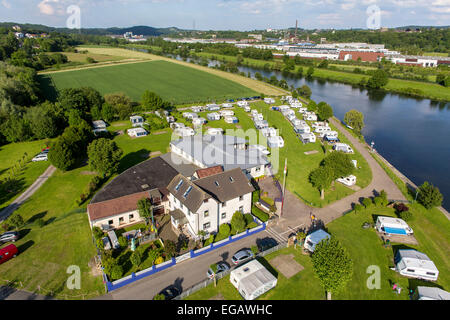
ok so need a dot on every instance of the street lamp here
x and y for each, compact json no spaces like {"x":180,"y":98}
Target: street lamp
{"x":372,"y":145}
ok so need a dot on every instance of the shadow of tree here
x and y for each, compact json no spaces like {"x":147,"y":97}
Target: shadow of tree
{"x":25,"y":246}
{"x":132,"y":159}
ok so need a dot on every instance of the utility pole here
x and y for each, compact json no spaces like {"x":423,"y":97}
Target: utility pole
{"x":284,"y":187}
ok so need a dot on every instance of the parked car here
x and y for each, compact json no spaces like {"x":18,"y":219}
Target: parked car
{"x":170,"y":292}
{"x":241,"y":256}
{"x":10,"y":236}
{"x":40,"y":157}
{"x":8,"y":253}
{"x":221,"y":267}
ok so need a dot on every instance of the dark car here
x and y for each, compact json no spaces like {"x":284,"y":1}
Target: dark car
{"x":221,"y":267}
{"x":170,"y":292}
{"x":242,"y":256}
{"x":10,"y":236}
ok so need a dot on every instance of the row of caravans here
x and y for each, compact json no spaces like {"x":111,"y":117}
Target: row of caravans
{"x":273,"y":139}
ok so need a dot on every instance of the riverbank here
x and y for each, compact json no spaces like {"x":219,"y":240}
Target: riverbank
{"x":415,"y":89}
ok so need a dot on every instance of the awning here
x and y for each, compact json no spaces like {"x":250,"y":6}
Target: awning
{"x":395,"y":231}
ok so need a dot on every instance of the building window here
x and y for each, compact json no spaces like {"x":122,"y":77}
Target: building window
{"x":258,"y":169}
{"x":121,"y":220}
{"x":206,"y":214}
{"x":206,"y":226}
{"x":241,"y":198}
{"x":110,"y":222}
{"x":224,"y":215}
{"x":241,"y":209}
{"x":131,"y":217}
{"x":224,"y":204}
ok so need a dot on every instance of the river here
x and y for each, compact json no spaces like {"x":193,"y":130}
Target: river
{"x":410,"y":133}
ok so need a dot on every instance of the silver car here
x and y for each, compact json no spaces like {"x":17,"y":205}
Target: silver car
{"x":10,"y":236}
{"x":221,"y":267}
{"x":40,"y":157}
{"x":242,"y":256}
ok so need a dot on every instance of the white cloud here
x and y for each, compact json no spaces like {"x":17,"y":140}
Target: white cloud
{"x":6,"y":4}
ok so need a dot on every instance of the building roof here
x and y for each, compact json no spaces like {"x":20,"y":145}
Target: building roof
{"x":227,"y":185}
{"x":433,"y":293}
{"x":187,"y":192}
{"x":410,"y":258}
{"x":203,"y":173}
{"x":187,"y":169}
{"x":318,"y":236}
{"x":109,"y":208}
{"x":220,"y":150}
{"x":151,"y":174}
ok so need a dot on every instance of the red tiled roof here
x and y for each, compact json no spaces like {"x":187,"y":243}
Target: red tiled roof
{"x":116,"y":206}
{"x":364,"y":55}
{"x":203,"y":173}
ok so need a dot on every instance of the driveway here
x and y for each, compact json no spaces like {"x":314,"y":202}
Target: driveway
{"x":5,"y":213}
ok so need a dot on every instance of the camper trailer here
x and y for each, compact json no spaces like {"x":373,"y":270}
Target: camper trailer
{"x":227,"y":105}
{"x":212,"y":107}
{"x":176,"y":125}
{"x":197,"y":109}
{"x":252,"y":280}
{"x":322,"y":129}
{"x":269,"y":132}
{"x":213,"y":116}
{"x":390,"y":225}
{"x":331,"y":134}
{"x":302,"y":129}
{"x":243,"y":104}
{"x":214,"y":131}
{"x":112,"y":236}
{"x":137,"y":121}
{"x":310,"y":117}
{"x":348,"y":181}
{"x":302,"y":110}
{"x":247,"y":109}
{"x":261,"y":124}
{"x":414,"y":264}
{"x":343,"y":147}
{"x":185,"y":132}
{"x":225,"y":113}
{"x":269,"y":100}
{"x":275,"y":142}
{"x":260,"y":148}
{"x":296,"y":122}
{"x":198,"y":121}
{"x":314,"y":238}
{"x":308,"y":138}
{"x":231,"y":119}
{"x":430,"y":293}
{"x":137,"y":132}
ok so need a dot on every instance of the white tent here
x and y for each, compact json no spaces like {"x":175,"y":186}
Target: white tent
{"x":252,"y":280}
{"x":430,"y":293}
{"x":391,"y":225}
{"x":414,"y":264}
{"x":314,"y":238}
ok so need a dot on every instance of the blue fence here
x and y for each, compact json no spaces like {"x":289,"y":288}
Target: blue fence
{"x":193,"y":254}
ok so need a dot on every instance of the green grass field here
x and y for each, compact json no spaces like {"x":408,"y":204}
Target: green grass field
{"x":173,"y":82}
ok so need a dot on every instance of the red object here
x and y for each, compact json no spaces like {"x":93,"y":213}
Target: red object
{"x":8,"y":252}
{"x":364,"y":55}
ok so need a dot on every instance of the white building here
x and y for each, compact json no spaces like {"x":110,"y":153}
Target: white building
{"x":137,"y":121}
{"x":252,"y":280}
{"x":415,"y":264}
{"x":137,"y":132}
{"x":206,"y":203}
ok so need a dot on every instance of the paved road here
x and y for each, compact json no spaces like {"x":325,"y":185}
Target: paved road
{"x":183,"y":275}
{"x":5,"y":213}
{"x":7,"y":293}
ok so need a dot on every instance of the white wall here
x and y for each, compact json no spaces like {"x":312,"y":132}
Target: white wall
{"x":126,"y":220}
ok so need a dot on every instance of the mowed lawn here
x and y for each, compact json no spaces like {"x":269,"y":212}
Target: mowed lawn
{"x":173,"y":82}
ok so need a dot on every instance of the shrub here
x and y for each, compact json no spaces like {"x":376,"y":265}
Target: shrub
{"x":378,"y":201}
{"x":252,"y":225}
{"x":367,"y":202}
{"x":248,"y":218}
{"x":98,"y":233}
{"x":209,"y":240}
{"x":238,"y":222}
{"x":116,"y":272}
{"x":401,"y":207}
{"x":224,"y":230}
{"x":170,"y":248}
{"x":261,"y":215}
{"x":40,"y":222}
{"x":100,"y":244}
{"x":405,"y":215}
{"x":429,"y":196}
{"x":255,"y":250}
{"x":136,"y":258}
{"x":358,"y":207}
{"x":123,"y":242}
{"x":159,"y":260}
{"x":159,"y":297}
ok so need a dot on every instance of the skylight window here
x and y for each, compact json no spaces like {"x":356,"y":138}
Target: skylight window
{"x":179,"y":185}
{"x":231,"y":179}
{"x":217,"y":183}
{"x":187,"y":191}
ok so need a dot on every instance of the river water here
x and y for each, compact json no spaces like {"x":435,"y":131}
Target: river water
{"x":412,"y":134}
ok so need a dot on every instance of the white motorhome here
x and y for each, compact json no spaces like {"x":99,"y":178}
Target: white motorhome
{"x":343,"y":147}
{"x":308,"y":138}
{"x":137,"y":132}
{"x":269,"y":132}
{"x":225,"y":113}
{"x":390,"y":225}
{"x":296,"y":122}
{"x":414,"y":264}
{"x":302,"y":129}
{"x":252,"y":280}
{"x":198,"y":121}
{"x":185,"y":132}
{"x":213,"y":116}
{"x":314,"y":238}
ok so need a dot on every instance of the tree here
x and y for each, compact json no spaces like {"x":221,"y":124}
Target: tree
{"x":355,"y":119}
{"x":170,"y":248}
{"x":238,"y":222}
{"x":62,"y":154}
{"x":332,"y":265}
{"x":136,"y":258}
{"x":116,"y":272}
{"x":151,"y":101}
{"x":43,"y":123}
{"x":108,"y":112}
{"x":304,"y":91}
{"x":321,"y":178}
{"x":104,"y":156}
{"x":16,"y":221}
{"x":325,"y":111}
{"x":145,"y":209}
{"x":310,"y":72}
{"x":340,"y":164}
{"x":429,"y":195}
{"x":379,"y":79}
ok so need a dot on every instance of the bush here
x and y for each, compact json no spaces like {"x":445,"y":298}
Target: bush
{"x":123,"y":242}
{"x":209,"y":240}
{"x":367,"y":202}
{"x":252,"y":225}
{"x":136,"y":258}
{"x":170,"y":248}
{"x":429,"y":196}
{"x":248,"y":218}
{"x":159,"y":297}
{"x":405,"y":215}
{"x":358,"y":207}
{"x":401,"y":207}
{"x":159,"y":260}
{"x":98,"y":233}
{"x":224,"y":230}
{"x":255,"y":250}
{"x":238,"y":222}
{"x":116,"y":272}
{"x":100,"y":244}
{"x":261,"y":215}
{"x":378,"y":201}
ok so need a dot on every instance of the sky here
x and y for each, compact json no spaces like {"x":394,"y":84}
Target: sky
{"x":244,"y":15}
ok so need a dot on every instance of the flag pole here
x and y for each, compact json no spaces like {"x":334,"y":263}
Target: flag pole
{"x":284,"y":187}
